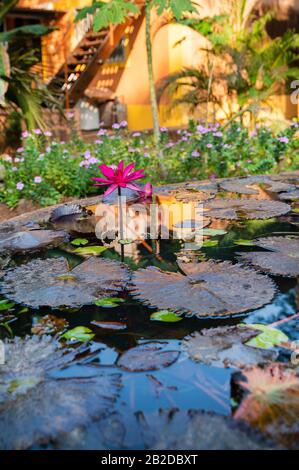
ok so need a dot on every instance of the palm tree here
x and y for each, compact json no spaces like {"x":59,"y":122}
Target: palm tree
{"x":256,"y":66}
{"x":21,"y":89}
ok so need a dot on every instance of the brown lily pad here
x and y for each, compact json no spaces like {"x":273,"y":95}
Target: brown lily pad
{"x":32,"y":240}
{"x":37,"y":406}
{"x":224,"y":346}
{"x":49,"y":282}
{"x":147,"y":356}
{"x":244,"y":185}
{"x":234,"y":209}
{"x":282,"y":260}
{"x":209,"y":289}
{"x":291,"y":196}
{"x":48,"y":325}
{"x":272,"y":402}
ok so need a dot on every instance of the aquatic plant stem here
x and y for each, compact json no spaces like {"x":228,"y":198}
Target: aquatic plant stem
{"x":121,"y":224}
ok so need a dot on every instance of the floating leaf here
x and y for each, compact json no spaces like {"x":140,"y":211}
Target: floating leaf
{"x":43,"y":406}
{"x":209,"y":243}
{"x":282,"y":260}
{"x":80,"y":333}
{"x":79,"y":241}
{"x":32,"y":240}
{"x":268,"y":338}
{"x":147,"y":356}
{"x":48,"y":282}
{"x":109,"y":302}
{"x":208,"y":289}
{"x":233,"y":209}
{"x":165,"y":316}
{"x":6,"y":326}
{"x":6,"y":305}
{"x":49,"y":324}
{"x":272,"y":402}
{"x":126,"y":241}
{"x":291,"y":196}
{"x":192,"y":195}
{"x":243,"y":242}
{"x":90,"y":250}
{"x":224,"y":346}
{"x":213,"y":232}
{"x":244,"y":185}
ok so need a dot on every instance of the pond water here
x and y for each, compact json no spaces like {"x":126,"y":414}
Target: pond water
{"x":184,"y":384}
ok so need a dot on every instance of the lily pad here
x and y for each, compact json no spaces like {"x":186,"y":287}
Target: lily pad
{"x":213,"y":232}
{"x":272,"y":402}
{"x":109,"y":302}
{"x":233,"y":209}
{"x":244,"y":185}
{"x":165,"y":316}
{"x":147,"y":356}
{"x":80,"y":333}
{"x":291,"y":196}
{"x":243,"y":242}
{"x":210,"y":243}
{"x":6,"y":305}
{"x":192,"y":195}
{"x":224,"y":346}
{"x":208,"y":289}
{"x":49,"y":282}
{"x":173,"y":429}
{"x":36,"y":406}
{"x":282,"y":260}
{"x":48,"y":325}
{"x":79,"y":241}
{"x":90,"y":250}
{"x":269,"y":337}
{"x":32,"y":240}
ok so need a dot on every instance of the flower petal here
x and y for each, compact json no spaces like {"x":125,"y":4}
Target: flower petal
{"x":102,"y":180}
{"x":121,"y":166}
{"x":134,"y":187}
{"x":107,"y":171}
{"x":128,"y":169}
{"x":110,"y":190}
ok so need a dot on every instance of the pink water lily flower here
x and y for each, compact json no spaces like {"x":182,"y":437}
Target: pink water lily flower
{"x":147,"y":192}
{"x":119,"y":177}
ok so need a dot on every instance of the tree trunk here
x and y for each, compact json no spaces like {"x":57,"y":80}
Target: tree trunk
{"x":153,"y":96}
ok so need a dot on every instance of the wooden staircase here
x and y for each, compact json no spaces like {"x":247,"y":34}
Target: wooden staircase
{"x":84,"y":62}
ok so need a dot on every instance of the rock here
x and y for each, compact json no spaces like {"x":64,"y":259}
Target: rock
{"x":25,"y":240}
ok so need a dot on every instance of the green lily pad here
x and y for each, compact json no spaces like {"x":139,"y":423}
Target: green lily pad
{"x":90,"y":250}
{"x":209,"y":243}
{"x":109,"y":302}
{"x":126,"y":241}
{"x":79,"y":241}
{"x":269,"y":337}
{"x":242,"y":242}
{"x":6,"y":305}
{"x":165,"y":316}
{"x":80,"y":333}
{"x":213,"y":232}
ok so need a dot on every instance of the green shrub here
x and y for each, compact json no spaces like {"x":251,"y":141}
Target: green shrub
{"x":45,"y":171}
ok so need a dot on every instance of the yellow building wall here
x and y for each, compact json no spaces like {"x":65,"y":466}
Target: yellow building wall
{"x":174,"y":47}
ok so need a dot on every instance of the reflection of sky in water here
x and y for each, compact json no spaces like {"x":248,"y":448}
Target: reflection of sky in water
{"x":283,"y":306}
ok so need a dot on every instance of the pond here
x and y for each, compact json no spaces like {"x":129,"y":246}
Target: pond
{"x":90,"y":364}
